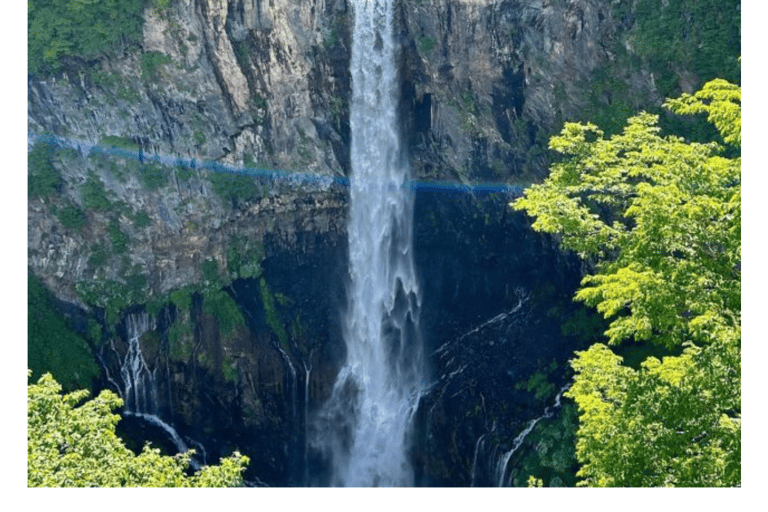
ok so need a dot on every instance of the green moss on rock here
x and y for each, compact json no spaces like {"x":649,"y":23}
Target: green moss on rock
{"x":52,"y":345}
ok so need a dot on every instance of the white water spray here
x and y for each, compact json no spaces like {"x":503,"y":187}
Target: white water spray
{"x":378,"y":388}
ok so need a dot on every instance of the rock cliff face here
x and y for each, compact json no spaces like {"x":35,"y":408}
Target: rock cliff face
{"x":219,"y":80}
{"x":488,"y":80}
{"x":244,"y":277}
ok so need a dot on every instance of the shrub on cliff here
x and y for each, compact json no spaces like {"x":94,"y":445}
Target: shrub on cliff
{"x":76,"y":446}
{"x":79,"y":28}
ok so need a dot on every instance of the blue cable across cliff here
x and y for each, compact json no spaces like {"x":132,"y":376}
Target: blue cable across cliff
{"x":322,"y":180}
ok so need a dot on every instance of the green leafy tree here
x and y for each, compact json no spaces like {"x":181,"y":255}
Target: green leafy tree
{"x":658,"y":219}
{"x":76,"y":446}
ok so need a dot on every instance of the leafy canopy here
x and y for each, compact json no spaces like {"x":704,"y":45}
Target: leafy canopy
{"x":660,"y":217}
{"x":659,"y":220}
{"x":76,"y":446}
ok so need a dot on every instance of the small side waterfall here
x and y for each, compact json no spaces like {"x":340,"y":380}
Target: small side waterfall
{"x":294,"y":381}
{"x":478,"y":449}
{"x":139,"y":390}
{"x":367,"y":420}
{"x":501,"y":468}
{"x":172,"y":434}
{"x":307,"y":375}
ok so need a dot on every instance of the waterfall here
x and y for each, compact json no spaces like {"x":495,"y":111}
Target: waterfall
{"x":376,"y":392}
{"x":294,"y":382}
{"x":139,"y":388}
{"x":478,"y":447}
{"x":501,"y":468}
{"x":181,"y":446}
{"x":307,"y":375}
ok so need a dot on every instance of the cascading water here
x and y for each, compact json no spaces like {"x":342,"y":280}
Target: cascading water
{"x":501,"y":468}
{"x":139,"y":388}
{"x":367,"y":419}
{"x":307,"y":375}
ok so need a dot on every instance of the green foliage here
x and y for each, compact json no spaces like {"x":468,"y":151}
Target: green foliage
{"x":721,"y":101}
{"x":661,"y":220}
{"x":114,"y":296}
{"x":222,"y":306}
{"x":701,"y":36}
{"x":161,"y":5}
{"x":71,"y":217}
{"x":98,"y":257}
{"x":94,"y":332}
{"x":209,"y":270}
{"x":584,"y":324}
{"x":141,"y":220}
{"x":52,"y":346}
{"x":273,"y":319}
{"x":233,"y":187}
{"x":332,"y":38}
{"x":119,"y":239}
{"x":539,"y":386}
{"x":684,"y":43}
{"x":337,"y":109}
{"x":151,"y":64}
{"x":43,"y":179}
{"x":661,"y":217}
{"x":242,"y":51}
{"x":94,"y":196}
{"x":180,"y":335}
{"x":136,"y":281}
{"x":152,"y":176}
{"x":182,"y":298}
{"x":674,"y":422}
{"x":199,"y":137}
{"x":426,"y":45}
{"x":76,"y":446}
{"x":610,"y":100}
{"x":82,"y":28}
{"x":116,"y":142}
{"x":229,"y":370}
{"x":122,"y":89}
{"x":182,"y":172}
{"x":244,"y":257}
{"x":259,"y":102}
{"x":549,"y":452}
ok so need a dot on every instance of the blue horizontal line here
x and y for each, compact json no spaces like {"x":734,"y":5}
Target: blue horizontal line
{"x":288,"y":176}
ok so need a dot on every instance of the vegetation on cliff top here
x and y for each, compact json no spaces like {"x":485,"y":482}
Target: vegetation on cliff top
{"x":661,"y":219}
{"x":79,"y":28}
